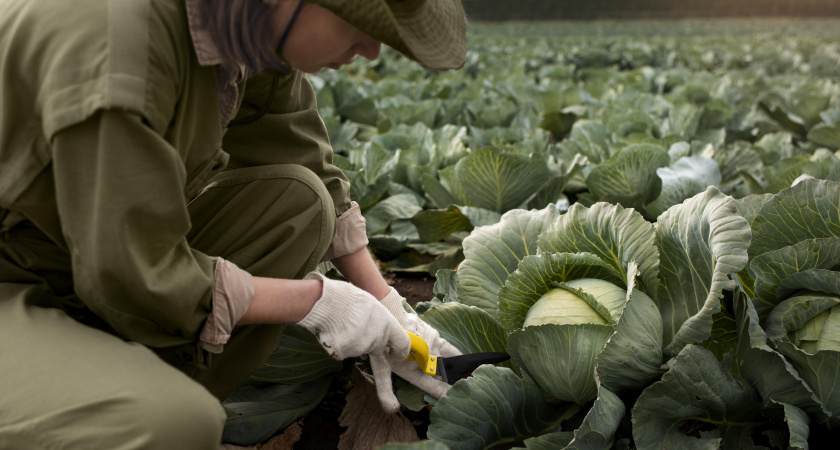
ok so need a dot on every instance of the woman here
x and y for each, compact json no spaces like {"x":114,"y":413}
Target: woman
{"x":166,"y":190}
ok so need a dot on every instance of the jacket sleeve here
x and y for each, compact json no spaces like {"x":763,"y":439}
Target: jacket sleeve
{"x":119,"y":190}
{"x":292,"y":132}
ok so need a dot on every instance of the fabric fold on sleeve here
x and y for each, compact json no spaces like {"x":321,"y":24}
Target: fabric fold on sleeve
{"x":232,"y":294}
{"x":350,"y":234}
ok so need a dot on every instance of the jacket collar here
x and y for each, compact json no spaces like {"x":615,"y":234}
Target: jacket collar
{"x":206,"y":50}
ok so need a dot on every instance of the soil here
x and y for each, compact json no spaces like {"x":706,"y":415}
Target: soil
{"x":415,"y":288}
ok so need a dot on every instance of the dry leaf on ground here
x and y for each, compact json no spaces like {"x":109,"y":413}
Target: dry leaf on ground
{"x":285,"y":441}
{"x":368,"y":426}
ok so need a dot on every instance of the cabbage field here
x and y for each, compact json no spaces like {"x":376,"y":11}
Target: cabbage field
{"x":672,"y":187}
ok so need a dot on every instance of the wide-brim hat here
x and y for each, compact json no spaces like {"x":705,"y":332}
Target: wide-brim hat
{"x":431,"y":32}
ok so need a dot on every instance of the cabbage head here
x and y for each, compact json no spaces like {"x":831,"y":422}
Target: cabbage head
{"x":796,"y":285}
{"x":571,"y":325}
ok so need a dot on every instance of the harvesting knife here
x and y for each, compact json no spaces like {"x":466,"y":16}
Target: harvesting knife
{"x":451,"y":368}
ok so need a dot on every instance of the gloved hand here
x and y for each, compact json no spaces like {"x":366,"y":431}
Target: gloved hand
{"x":409,"y":370}
{"x":350,"y":322}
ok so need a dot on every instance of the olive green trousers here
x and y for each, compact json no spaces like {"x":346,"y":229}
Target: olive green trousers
{"x":65,"y":384}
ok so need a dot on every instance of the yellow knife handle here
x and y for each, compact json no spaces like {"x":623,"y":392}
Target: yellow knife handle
{"x":420,"y":353}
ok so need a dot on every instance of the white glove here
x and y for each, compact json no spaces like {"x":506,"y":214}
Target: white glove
{"x":350,"y":322}
{"x":409,"y":370}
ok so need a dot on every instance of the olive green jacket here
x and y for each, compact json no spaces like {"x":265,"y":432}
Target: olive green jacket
{"x":112,"y":189}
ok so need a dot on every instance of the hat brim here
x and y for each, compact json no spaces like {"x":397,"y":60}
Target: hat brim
{"x":431,"y":32}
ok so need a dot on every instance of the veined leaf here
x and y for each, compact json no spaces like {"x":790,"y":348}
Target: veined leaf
{"x":749,"y":206}
{"x":828,"y":136}
{"x":783,"y":173}
{"x":733,"y":158}
{"x":498,"y":181}
{"x":612,"y":233}
{"x":434,"y":225}
{"x":682,"y":180}
{"x":697,"y":388}
{"x":771,"y":373}
{"x":591,"y":139}
{"x":701,"y":243}
{"x":297,"y":358}
{"x":772,"y":267}
{"x":629,"y":178}
{"x":809,"y":210}
{"x":379,"y":217}
{"x":493,"y":252}
{"x":468,"y":328}
{"x":601,"y":422}
{"x":819,"y":369}
{"x":633,"y":355}
{"x":255,"y":414}
{"x":491,"y":407}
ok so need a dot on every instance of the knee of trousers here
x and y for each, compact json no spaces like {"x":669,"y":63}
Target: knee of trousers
{"x":274,"y":220}
{"x":183,"y":417}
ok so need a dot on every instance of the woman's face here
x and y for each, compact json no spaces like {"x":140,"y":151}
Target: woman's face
{"x":320,"y":39}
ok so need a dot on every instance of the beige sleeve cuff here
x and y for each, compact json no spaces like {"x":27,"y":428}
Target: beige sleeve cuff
{"x":232,"y":294}
{"x":350,"y":234}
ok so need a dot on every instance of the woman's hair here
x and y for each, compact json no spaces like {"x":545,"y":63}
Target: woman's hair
{"x":241,"y":30}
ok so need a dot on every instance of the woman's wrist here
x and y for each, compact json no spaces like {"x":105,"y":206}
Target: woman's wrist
{"x":281,"y":301}
{"x":360,"y":269}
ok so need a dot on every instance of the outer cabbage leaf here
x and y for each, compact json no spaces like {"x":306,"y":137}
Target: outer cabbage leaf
{"x":784,"y":173}
{"x":379,"y":217}
{"x":614,"y":234}
{"x":701,"y":243}
{"x":820,"y":370}
{"x":749,"y":206}
{"x":601,"y":422}
{"x":535,"y":276}
{"x":772,"y":267}
{"x":493,"y":406}
{"x":493,"y":252}
{"x":549,"y":441}
{"x":499,"y":181}
{"x":629,"y":177}
{"x":809,"y":210}
{"x":798,"y":427}
{"x":297,"y":358}
{"x":469,"y":329}
{"x":683,"y":121}
{"x":769,"y":371}
{"x":255,"y":414}
{"x":733,"y":158}
{"x":825,"y":135}
{"x":436,"y":192}
{"x":816,"y":280}
{"x":434,"y":225}
{"x":553,"y":191}
{"x":697,"y":388}
{"x":590,"y":139}
{"x":684,"y":179}
{"x":633,"y":355}
{"x":561,"y":358}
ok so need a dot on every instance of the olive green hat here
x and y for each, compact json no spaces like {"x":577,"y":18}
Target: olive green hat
{"x":431,"y":32}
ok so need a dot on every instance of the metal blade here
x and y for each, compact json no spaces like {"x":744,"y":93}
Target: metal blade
{"x":454,"y":368}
